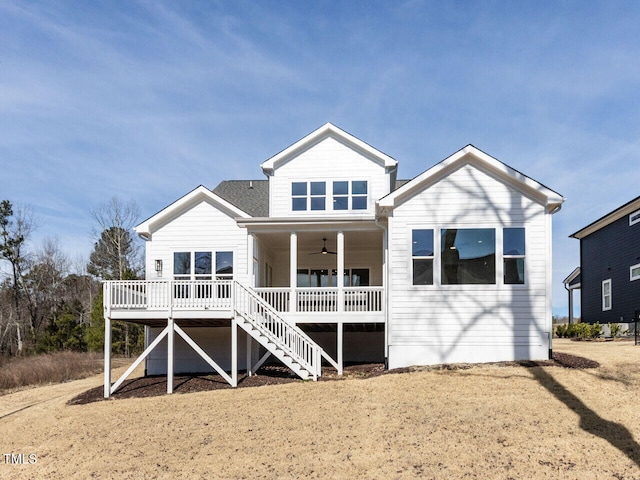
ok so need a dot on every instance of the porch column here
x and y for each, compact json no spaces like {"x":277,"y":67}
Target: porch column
{"x":570,"y":305}
{"x":107,"y":356}
{"x":170,"y":351}
{"x":293,"y":273}
{"x":340,"y":271}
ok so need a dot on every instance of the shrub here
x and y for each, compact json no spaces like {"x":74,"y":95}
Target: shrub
{"x":579,"y":330}
{"x":561,"y":331}
{"x":616,"y":330}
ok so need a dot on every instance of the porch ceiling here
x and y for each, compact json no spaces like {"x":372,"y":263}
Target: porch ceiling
{"x":312,"y":241}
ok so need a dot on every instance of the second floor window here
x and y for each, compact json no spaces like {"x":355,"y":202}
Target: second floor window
{"x":350,"y":195}
{"x":308,"y":196}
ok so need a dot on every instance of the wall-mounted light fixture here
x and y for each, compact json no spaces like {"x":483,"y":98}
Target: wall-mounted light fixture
{"x":159,"y":267}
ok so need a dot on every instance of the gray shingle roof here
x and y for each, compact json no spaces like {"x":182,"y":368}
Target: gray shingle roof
{"x":250,"y":196}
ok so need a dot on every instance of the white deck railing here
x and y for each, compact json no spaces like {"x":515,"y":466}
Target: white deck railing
{"x":163,"y":295}
{"x":319,"y":300}
{"x":304,"y":351}
{"x":217,"y":295}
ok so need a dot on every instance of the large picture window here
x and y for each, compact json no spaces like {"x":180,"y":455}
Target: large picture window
{"x":468,"y":256}
{"x":513,"y":254}
{"x":606,"y":295}
{"x":422,"y":256}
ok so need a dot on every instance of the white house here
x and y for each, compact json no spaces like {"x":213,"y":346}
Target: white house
{"x":332,"y":259}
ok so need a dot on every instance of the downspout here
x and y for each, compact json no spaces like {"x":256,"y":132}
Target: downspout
{"x":385,"y":291}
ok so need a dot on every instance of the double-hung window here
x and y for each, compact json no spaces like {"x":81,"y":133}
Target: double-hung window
{"x":308,"y":196}
{"x":634,"y":272}
{"x":350,"y":195}
{"x":606,"y":295}
{"x":513,"y":254}
{"x":422,"y":256}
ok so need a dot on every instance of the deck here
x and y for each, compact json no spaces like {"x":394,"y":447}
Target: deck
{"x":205,"y":301}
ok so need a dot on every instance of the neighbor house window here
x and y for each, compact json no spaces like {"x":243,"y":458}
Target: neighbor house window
{"x":308,"y":196}
{"x":422,"y":256}
{"x":350,"y":195}
{"x":634,"y":217}
{"x":468,"y":256}
{"x":634,"y":272}
{"x":606,"y":294}
{"x":513,"y":254}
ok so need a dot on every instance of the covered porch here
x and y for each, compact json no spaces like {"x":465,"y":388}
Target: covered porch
{"x":319,"y":271}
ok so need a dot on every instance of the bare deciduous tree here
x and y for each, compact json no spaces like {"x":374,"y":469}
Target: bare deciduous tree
{"x":117,"y":253}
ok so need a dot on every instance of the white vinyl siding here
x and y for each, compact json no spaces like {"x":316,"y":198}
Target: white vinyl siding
{"x":201,"y":228}
{"x":444,"y":321}
{"x":606,"y":295}
{"x":327,"y":161}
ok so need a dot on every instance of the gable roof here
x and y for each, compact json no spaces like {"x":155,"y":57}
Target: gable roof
{"x":608,"y":219}
{"x":328,"y":130}
{"x":250,"y":196}
{"x":474,"y":156}
{"x":194,"y":197}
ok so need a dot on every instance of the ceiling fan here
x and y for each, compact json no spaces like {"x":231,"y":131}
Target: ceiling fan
{"x":324,"y":250}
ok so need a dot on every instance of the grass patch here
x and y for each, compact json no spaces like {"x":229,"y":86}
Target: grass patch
{"x":55,"y":367}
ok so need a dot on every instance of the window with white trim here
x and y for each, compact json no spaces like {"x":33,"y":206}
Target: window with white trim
{"x":308,"y":196}
{"x":634,"y":218}
{"x":199,"y":266}
{"x":350,"y":195}
{"x":468,"y":256}
{"x":513,"y":254}
{"x":634,"y":272}
{"x":606,"y":295}
{"x":422,"y":256}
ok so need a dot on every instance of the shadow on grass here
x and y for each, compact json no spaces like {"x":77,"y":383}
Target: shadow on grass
{"x":616,"y":434}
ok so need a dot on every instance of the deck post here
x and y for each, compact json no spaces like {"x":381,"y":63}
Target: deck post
{"x":234,"y":352}
{"x":340,"y":272}
{"x":170,"y":351}
{"x":293,"y":272}
{"x":249,"y":348}
{"x":340,"y":329}
{"x":107,"y":356}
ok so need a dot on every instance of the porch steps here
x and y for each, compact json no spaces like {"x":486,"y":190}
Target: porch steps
{"x":274,"y":348}
{"x":285,"y":341}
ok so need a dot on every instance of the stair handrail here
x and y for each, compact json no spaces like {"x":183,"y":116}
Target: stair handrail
{"x":305,"y":343}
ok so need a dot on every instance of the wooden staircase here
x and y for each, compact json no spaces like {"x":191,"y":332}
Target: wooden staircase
{"x":285,"y":341}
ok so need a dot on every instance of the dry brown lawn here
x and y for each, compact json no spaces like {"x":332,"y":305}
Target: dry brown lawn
{"x":484,"y":422}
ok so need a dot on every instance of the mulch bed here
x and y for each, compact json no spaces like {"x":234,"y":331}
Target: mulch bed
{"x":275,"y":374}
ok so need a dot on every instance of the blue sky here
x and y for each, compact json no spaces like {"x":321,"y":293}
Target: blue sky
{"x":147,"y":100}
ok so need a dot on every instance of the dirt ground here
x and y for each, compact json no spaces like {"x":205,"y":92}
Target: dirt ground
{"x":503,"y":421}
